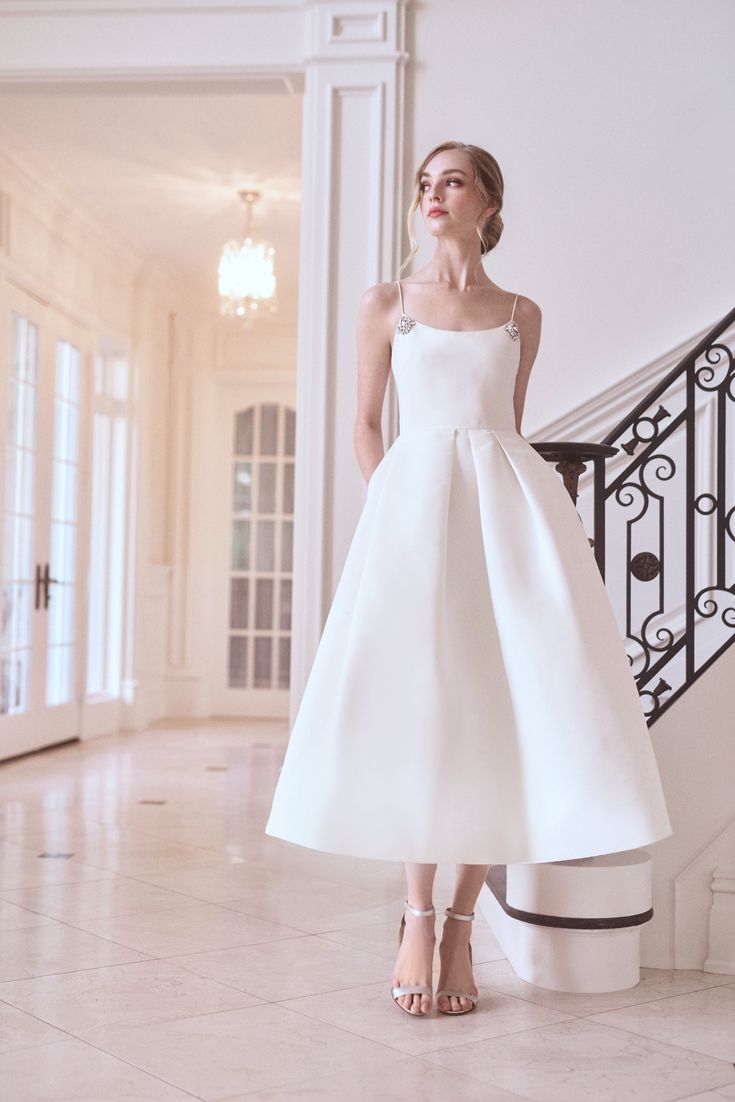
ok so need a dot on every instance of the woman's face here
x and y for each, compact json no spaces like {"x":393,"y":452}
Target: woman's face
{"x":447,"y":185}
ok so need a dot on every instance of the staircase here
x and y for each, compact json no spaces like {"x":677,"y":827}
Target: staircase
{"x":572,"y":925}
{"x":664,"y":540}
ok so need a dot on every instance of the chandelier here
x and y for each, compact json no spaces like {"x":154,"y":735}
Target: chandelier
{"x":247,"y":285}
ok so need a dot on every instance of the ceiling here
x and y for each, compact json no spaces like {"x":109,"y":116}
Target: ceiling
{"x":161,"y":165}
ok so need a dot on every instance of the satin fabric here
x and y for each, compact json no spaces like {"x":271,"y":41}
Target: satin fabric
{"x":470,"y":699}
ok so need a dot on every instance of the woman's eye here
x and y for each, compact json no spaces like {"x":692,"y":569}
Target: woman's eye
{"x":451,"y":180}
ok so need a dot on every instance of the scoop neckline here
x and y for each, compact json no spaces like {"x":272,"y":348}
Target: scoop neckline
{"x":423,"y":324}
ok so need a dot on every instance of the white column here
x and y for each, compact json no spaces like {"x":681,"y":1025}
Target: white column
{"x":351,"y":226}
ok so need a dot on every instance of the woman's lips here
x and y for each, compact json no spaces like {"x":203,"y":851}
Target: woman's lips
{"x":436,"y":213}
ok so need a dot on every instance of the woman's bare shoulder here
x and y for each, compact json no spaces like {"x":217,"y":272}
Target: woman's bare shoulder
{"x":527,"y":309}
{"x":379,"y":309}
{"x":379,"y":298}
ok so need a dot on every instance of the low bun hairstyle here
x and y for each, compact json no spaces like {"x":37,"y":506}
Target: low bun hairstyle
{"x":488,"y":185}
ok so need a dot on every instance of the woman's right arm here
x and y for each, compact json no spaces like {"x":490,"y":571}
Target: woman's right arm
{"x":373,"y":369}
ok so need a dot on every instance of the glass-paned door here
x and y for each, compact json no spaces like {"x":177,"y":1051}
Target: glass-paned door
{"x":42,"y":406}
{"x":254,"y":663}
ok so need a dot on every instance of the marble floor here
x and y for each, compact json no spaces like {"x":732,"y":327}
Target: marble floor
{"x":156,"y":944}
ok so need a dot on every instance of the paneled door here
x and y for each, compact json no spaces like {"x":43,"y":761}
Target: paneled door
{"x":253,"y":552}
{"x":45,"y":360}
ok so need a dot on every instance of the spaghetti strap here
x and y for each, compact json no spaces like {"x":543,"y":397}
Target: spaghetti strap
{"x":400,"y":292}
{"x":514,"y":307}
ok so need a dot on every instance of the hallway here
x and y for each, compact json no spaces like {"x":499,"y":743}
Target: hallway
{"x":154,"y":943}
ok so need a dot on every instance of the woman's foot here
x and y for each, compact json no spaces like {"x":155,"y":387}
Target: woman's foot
{"x":455,"y":965}
{"x":415,"y":960}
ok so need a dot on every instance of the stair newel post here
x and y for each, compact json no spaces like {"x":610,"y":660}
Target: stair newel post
{"x":570,"y":458}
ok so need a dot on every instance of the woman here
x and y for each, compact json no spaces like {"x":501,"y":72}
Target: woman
{"x":471,"y":699}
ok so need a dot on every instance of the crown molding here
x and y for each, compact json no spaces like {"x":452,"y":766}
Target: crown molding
{"x":265,"y":79}
{"x":209,"y":40}
{"x":146,"y":7}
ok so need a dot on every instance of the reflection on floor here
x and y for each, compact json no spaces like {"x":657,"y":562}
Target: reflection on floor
{"x":156,"y":944}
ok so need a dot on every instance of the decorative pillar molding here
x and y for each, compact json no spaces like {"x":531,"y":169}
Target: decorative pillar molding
{"x":351,"y":220}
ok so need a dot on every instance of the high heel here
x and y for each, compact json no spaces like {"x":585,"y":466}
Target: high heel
{"x":412,"y":988}
{"x":458,"y":994}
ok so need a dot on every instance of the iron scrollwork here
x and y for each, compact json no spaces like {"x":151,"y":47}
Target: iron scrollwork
{"x":664,"y":515}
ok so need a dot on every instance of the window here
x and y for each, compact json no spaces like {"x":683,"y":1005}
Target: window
{"x":261,"y":562}
{"x":108,"y":528}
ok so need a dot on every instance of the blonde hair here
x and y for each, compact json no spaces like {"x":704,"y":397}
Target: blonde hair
{"x":488,"y":184}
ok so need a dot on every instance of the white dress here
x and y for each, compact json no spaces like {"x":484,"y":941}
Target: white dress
{"x":471,"y":699}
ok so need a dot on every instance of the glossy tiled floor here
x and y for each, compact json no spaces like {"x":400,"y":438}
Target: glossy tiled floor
{"x":155,"y":944}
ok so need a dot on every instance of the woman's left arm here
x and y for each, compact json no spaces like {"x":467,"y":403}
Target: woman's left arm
{"x":529,"y":325}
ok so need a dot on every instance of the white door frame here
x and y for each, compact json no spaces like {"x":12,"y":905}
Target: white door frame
{"x":349,"y":57}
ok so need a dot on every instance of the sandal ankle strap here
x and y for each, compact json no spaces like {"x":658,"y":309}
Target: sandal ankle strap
{"x":416,"y":911}
{"x":455,"y":914}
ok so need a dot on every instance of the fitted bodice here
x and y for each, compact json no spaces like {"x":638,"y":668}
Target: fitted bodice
{"x":455,"y":379}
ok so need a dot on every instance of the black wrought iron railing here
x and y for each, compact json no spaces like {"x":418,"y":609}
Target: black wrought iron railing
{"x":666,"y":514}
{"x":664,"y":518}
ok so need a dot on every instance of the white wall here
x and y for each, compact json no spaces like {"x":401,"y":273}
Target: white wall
{"x":694,"y":741}
{"x":610,"y":122}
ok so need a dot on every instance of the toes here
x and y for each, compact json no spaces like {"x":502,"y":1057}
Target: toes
{"x":453,"y":1003}
{"x":417,"y":1004}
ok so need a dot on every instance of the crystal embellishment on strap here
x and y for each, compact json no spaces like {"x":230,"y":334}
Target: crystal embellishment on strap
{"x":512,"y":328}
{"x":405,"y":324}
